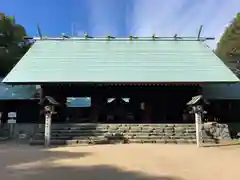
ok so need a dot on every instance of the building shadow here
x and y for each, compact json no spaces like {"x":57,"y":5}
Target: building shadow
{"x":95,"y":172}
{"x":27,"y":163}
{"x":24,"y":154}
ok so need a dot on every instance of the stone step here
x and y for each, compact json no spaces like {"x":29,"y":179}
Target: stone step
{"x":111,"y":141}
{"x":69,"y":142}
{"x":162,"y":137}
{"x":127,"y":137}
{"x":123,"y":131}
{"x":121,"y":124}
{"x":74,"y":133}
{"x":36,"y":142}
{"x":73,"y":130}
{"x":80,"y":128}
{"x":126,"y":126}
{"x":212,"y":141}
{"x":105,"y":141}
{"x":94,"y":133}
{"x":119,"y":134}
{"x":126,"y":130}
{"x":118,"y":137}
{"x":100,"y":126}
{"x":70,"y":137}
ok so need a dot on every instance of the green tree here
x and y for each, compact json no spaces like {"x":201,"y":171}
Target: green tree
{"x":12,"y":43}
{"x":228,"y":48}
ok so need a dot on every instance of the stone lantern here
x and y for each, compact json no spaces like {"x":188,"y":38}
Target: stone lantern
{"x":196,"y":106}
{"x":49,"y":104}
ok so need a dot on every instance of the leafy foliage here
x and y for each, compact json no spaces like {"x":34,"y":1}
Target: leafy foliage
{"x":228,"y":48}
{"x":12,"y":43}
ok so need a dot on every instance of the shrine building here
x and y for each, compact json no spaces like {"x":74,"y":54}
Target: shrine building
{"x":126,"y":80}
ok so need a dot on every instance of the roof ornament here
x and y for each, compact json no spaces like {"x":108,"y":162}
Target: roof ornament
{"x":39,"y":31}
{"x":109,"y":37}
{"x":64,"y":36}
{"x":86,"y":35}
{"x":199,"y":32}
{"x":176,"y":37}
{"x":131,"y":37}
{"x":153,"y":36}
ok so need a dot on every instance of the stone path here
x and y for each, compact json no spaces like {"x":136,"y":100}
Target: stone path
{"x":120,"y":162}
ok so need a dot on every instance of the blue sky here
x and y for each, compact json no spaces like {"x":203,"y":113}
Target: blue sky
{"x":122,"y":17}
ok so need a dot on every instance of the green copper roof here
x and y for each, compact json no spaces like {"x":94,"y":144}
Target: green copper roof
{"x":119,"y":61}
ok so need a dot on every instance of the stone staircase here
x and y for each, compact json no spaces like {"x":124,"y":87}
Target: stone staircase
{"x":73,"y":134}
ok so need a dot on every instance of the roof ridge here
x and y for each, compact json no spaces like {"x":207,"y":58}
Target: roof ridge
{"x":155,"y":38}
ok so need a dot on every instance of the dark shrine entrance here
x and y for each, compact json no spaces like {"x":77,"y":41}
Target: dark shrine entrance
{"x":123,"y":103}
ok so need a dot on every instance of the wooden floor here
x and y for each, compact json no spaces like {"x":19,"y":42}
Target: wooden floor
{"x":120,"y":162}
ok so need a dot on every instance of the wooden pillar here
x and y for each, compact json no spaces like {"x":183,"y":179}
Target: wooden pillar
{"x":62,"y":110}
{"x":42,"y":93}
{"x":94,"y":108}
{"x":120,"y":113}
{"x":147,"y":112}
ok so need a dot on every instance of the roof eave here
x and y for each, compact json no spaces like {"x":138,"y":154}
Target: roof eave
{"x":120,"y":83}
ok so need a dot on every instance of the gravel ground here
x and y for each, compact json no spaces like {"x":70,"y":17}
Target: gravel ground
{"x":120,"y":162}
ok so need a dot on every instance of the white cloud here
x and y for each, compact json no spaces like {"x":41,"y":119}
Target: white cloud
{"x":183,"y":17}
